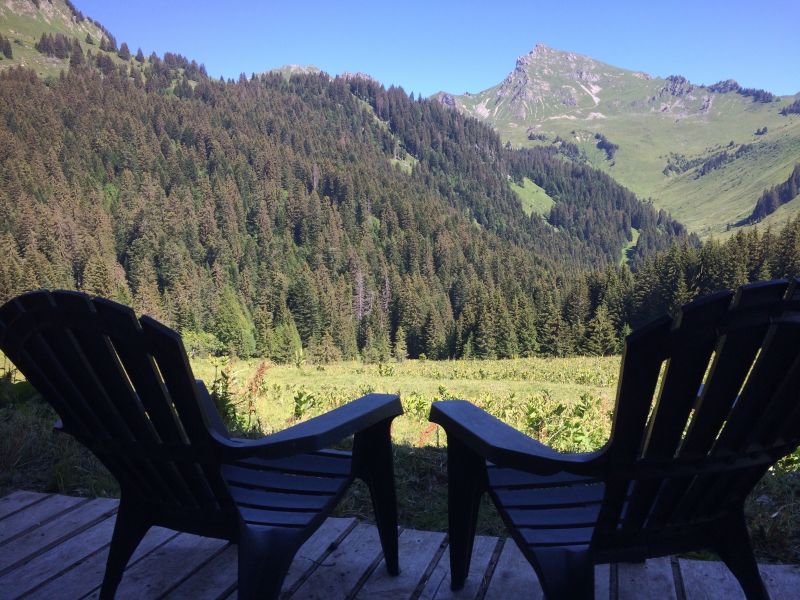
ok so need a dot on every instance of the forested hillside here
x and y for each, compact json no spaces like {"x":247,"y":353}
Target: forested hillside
{"x":320,"y":217}
{"x":268,"y":214}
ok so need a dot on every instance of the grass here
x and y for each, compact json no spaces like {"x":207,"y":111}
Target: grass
{"x":566,"y":403}
{"x":532,"y":198}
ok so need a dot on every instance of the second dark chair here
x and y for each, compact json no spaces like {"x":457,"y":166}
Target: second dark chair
{"x":706,"y":403}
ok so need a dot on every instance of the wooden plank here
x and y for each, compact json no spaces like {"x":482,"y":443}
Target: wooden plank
{"x":35,"y":515}
{"x":602,"y":582}
{"x":651,"y":579}
{"x":342,"y":570}
{"x":705,"y":579}
{"x":43,"y":538}
{"x":782,"y":581}
{"x":438,"y":585}
{"x":86,"y":575}
{"x":166,"y":567}
{"x":16,"y":501}
{"x":220,"y":575}
{"x":417,"y":551}
{"x":213,"y":580}
{"x":513,"y":576}
{"x":324,"y":540}
{"x":708,"y":579}
{"x":33,"y":573}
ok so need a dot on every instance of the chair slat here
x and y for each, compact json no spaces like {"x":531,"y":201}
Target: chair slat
{"x":308,"y":464}
{"x":682,"y":380}
{"x":189,"y":483}
{"x":574,"y":536}
{"x":167,"y":349}
{"x":553,"y":518}
{"x":641,"y":363}
{"x":277,"y":518}
{"x":734,"y":355}
{"x":259,"y":498}
{"x":99,"y":352}
{"x":550,"y":497}
{"x":511,"y":478}
{"x":280,"y":482}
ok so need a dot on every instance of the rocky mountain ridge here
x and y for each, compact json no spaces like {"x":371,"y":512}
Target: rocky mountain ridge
{"x":585,"y":107}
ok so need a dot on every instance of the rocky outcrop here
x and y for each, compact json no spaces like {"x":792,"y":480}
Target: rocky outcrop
{"x":447,"y":100}
{"x":723,"y":87}
{"x":676,"y":85}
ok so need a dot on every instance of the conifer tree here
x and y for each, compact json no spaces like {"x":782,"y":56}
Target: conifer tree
{"x":525,"y":321}
{"x":97,"y":277}
{"x":506,"y":344}
{"x":400,"y":350}
{"x":601,"y":339}
{"x":435,"y":336}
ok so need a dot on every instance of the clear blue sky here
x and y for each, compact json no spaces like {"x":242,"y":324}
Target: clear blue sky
{"x":458,"y":46}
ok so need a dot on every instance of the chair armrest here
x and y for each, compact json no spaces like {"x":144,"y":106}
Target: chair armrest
{"x":503,"y":445}
{"x":319,"y":432}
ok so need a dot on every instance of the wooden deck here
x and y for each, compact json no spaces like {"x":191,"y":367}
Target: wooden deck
{"x":54,"y":546}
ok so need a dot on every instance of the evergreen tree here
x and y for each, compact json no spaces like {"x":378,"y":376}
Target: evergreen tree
{"x":97,"y":277}
{"x":232,"y":325}
{"x":506,"y":344}
{"x":601,"y":339}
{"x":525,"y":321}
{"x":435,"y":337}
{"x":400,"y":349}
{"x":124,"y":52}
{"x":303,"y":301}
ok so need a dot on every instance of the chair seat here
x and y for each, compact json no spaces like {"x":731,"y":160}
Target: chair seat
{"x":288,"y":492}
{"x":547,"y":510}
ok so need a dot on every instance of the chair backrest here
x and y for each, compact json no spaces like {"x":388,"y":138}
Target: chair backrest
{"x":124,"y":388}
{"x":707,"y":401}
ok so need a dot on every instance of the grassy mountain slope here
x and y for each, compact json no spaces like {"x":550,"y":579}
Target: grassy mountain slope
{"x":654,"y":122}
{"x":23,"y":23}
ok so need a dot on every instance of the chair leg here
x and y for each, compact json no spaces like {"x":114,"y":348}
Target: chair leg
{"x":265,"y":554}
{"x":734,"y":548}
{"x":373,"y":462}
{"x":130,"y":528}
{"x":466,"y":482}
{"x":565,"y":573}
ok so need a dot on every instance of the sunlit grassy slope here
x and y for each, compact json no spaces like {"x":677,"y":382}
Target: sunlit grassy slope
{"x":532,"y":198}
{"x":559,"y":94}
{"x":23,"y":24}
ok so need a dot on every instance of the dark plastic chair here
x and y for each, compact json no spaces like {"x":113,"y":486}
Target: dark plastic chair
{"x":124,"y":388}
{"x":684,"y":451}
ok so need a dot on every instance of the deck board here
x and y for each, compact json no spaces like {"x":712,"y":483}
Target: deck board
{"x":345,"y":567}
{"x":33,"y":516}
{"x":41,"y":539}
{"x":438,"y":585}
{"x":417,"y":550}
{"x":513,"y":576}
{"x":56,"y":547}
{"x":18,"y":500}
{"x":85,"y":576}
{"x":650,"y":579}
